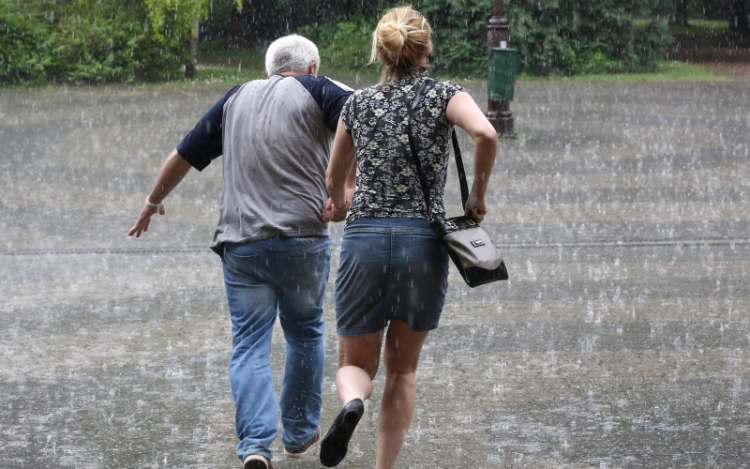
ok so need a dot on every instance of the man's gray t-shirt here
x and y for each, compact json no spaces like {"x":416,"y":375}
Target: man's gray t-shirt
{"x":277,"y":136}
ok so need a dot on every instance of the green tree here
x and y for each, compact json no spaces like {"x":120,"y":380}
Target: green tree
{"x":85,"y":41}
{"x":180,"y":19}
{"x":554,"y":37}
{"x":23,"y":44}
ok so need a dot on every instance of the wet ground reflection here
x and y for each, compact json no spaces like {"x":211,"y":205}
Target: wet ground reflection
{"x":621,"y":340}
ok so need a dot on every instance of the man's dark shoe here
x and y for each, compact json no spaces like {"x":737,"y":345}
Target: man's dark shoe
{"x":257,"y":461}
{"x":335,"y":443}
{"x":299,"y":452}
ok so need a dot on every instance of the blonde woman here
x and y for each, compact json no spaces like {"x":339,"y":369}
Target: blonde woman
{"x":393,"y":271}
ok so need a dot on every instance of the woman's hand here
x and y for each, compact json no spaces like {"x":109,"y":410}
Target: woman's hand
{"x":476,"y":208}
{"x":336,"y":214}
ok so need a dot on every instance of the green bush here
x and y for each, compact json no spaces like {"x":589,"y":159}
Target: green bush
{"x":85,"y":41}
{"x":460,"y":35}
{"x":553,"y":37}
{"x":23,"y":46}
{"x":571,"y":37}
{"x":100,"y":42}
{"x":91,"y":48}
{"x":344,"y":47}
{"x":650,"y":44}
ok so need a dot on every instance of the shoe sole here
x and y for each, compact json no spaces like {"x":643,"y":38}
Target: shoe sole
{"x":302,"y":454}
{"x":335,"y":444}
{"x":297,"y":455}
{"x":258,"y":462}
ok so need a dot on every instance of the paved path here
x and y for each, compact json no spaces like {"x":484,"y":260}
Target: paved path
{"x":622,"y":339}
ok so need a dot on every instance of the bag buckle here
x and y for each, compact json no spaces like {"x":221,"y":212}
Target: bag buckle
{"x":452,"y":225}
{"x":477,"y":243}
{"x":471,"y":222}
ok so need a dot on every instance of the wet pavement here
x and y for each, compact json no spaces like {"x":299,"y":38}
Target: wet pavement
{"x":622,"y":339}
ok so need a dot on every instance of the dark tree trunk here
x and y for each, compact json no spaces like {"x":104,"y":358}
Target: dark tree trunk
{"x":680,"y":12}
{"x":191,"y":68}
{"x":738,"y":22}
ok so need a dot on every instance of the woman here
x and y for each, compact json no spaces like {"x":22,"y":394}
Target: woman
{"x":393,"y":271}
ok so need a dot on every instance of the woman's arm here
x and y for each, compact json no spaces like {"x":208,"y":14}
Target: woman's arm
{"x":339,"y":214}
{"x":338,"y":175}
{"x":464,"y":112}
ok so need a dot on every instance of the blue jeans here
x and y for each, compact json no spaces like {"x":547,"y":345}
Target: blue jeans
{"x":390,"y":269}
{"x":289,"y":274}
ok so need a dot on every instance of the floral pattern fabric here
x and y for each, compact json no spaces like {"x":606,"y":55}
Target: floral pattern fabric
{"x":388,"y":184}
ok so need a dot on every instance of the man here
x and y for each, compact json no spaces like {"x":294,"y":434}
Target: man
{"x":275,"y":135}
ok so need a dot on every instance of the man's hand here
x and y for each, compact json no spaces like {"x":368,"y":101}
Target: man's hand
{"x":144,"y":219}
{"x":171,"y":173}
{"x":330,"y":213}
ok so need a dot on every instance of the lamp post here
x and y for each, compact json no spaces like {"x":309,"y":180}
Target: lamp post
{"x":498,"y":34}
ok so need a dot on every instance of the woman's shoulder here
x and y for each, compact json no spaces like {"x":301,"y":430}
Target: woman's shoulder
{"x":447,"y":89}
{"x":363,"y":94}
{"x":368,"y":91}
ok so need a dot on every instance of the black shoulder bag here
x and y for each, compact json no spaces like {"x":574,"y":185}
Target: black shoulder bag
{"x":467,"y":243}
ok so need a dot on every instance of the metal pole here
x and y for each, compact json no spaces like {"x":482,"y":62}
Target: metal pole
{"x":498,"y":112}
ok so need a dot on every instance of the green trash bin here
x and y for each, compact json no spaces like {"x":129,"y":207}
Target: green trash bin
{"x":502,"y":78}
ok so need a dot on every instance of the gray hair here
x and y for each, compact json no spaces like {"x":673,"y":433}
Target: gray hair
{"x":291,"y":53}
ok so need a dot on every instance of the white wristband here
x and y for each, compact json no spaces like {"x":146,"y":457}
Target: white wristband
{"x":153,"y":205}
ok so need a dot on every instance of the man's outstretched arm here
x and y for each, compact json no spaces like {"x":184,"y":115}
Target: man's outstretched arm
{"x":172,"y":172}
{"x":197,"y":150}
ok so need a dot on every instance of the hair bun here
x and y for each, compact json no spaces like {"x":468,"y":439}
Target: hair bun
{"x":393,"y":36}
{"x":401,"y":41}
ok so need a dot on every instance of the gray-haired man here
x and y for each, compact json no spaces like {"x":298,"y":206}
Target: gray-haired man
{"x":271,"y":237}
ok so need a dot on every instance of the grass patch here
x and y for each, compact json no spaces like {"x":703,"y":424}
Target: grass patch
{"x":707,"y":27}
{"x":220,"y":53}
{"x":666,"y":71}
{"x":700,"y":28}
{"x":210,"y":75}
{"x":217,"y":74}
{"x":369,"y":72}
{"x":719,"y":25}
{"x":227,"y":66}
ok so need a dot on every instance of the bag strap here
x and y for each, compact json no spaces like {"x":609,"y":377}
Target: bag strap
{"x":460,"y":168}
{"x":415,"y":156}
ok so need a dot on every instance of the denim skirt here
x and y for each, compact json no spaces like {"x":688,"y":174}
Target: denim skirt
{"x":390,"y":269}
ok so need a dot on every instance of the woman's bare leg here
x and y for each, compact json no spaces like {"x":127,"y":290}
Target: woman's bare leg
{"x":358,"y":362}
{"x":359,"y":357}
{"x":401,"y":357}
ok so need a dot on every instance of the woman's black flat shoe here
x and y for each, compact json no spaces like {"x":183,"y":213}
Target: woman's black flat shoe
{"x":335,"y":443}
